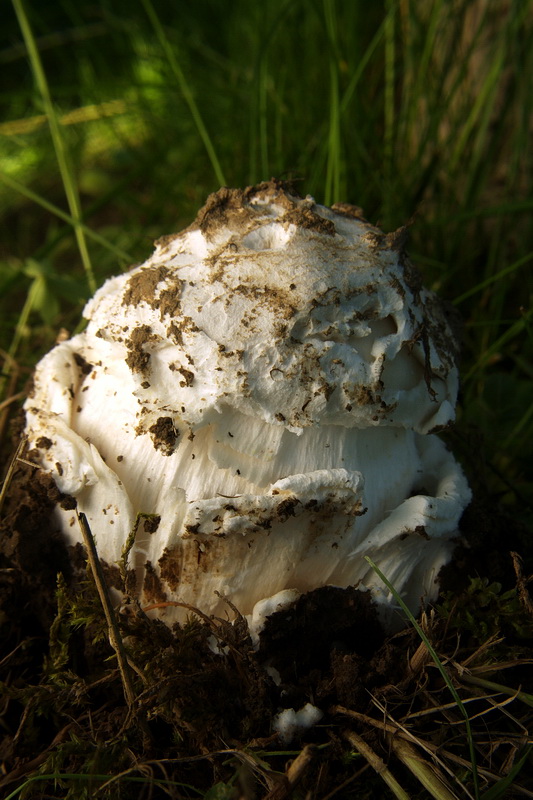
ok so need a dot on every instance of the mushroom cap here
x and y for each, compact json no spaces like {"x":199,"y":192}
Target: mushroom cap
{"x":284,"y":310}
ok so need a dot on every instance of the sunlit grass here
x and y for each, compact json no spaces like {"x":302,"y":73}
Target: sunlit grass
{"x":414,"y":112}
{"x":63,"y":158}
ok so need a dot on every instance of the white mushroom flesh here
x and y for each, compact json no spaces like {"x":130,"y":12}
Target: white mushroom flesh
{"x":266,"y":384}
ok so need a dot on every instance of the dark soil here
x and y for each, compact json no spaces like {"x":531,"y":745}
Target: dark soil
{"x":205,"y":699}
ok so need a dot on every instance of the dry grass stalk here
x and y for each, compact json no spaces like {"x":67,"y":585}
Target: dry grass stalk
{"x":114,"y":633}
{"x":377,"y":764}
{"x":426,"y":773}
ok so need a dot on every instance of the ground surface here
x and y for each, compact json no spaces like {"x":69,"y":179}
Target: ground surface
{"x":203,"y":720}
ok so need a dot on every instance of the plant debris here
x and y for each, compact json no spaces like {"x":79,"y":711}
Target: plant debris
{"x":203,"y":699}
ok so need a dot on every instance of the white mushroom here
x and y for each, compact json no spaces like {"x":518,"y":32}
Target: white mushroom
{"x":288,"y":723}
{"x":266,"y":385}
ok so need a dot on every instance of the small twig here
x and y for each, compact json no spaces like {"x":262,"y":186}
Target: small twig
{"x":499,"y":666}
{"x":11,"y":377}
{"x":31,"y":464}
{"x":492,"y":641}
{"x":392,"y":730}
{"x":346,"y":783}
{"x":300,"y":764}
{"x":375,"y":723}
{"x":10,"y":471}
{"x":294,"y":773}
{"x":177,"y":604}
{"x":28,"y":767}
{"x":437,"y":709}
{"x":404,"y":733}
{"x":114,"y":633}
{"x":521,"y":583}
{"x":14,"y":397}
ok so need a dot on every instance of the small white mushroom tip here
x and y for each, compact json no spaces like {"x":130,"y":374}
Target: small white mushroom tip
{"x":290,"y":724}
{"x":265,"y":385}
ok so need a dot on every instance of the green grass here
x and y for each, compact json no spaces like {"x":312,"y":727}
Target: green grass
{"x":440,"y":666}
{"x":119,"y":120}
{"x":120,"y":117}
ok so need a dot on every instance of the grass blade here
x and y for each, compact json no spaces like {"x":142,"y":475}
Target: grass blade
{"x":115,"y":638}
{"x":514,"y":330}
{"x":433,"y":653}
{"x":493,"y":278}
{"x":389,"y":109}
{"x":500,"y":788}
{"x":170,"y":53}
{"x":334,"y":160}
{"x":63,"y":160}
{"x":58,"y":212}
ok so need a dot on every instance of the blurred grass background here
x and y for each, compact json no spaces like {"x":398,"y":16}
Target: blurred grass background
{"x":120,"y":116}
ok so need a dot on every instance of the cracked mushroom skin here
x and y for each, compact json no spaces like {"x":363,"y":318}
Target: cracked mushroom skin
{"x":265,"y":388}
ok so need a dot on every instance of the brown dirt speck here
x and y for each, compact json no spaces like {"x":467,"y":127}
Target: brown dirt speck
{"x":349,"y":210}
{"x":151,"y":523}
{"x":152,"y":588}
{"x":187,"y":375}
{"x":142,"y":286}
{"x":287,"y":507}
{"x":308,"y":218}
{"x":220,"y":209}
{"x":229,"y":207}
{"x":84,"y":367}
{"x":169,"y":299}
{"x":164,"y":435}
{"x":138,"y":359}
